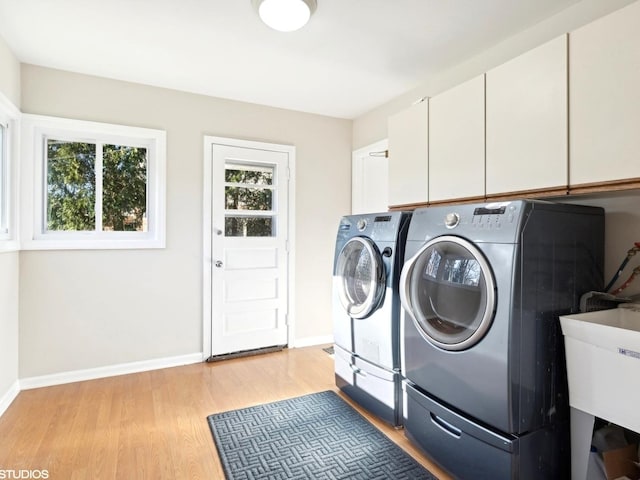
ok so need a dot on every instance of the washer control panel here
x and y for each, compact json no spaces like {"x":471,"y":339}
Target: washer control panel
{"x":377,"y":227}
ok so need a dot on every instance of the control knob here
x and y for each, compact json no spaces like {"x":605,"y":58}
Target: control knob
{"x":451,"y":220}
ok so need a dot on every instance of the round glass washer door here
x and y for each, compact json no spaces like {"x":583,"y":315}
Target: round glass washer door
{"x":448,"y":289}
{"x":361,"y":277}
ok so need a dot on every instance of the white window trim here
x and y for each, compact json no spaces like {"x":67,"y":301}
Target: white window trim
{"x":33,"y":236}
{"x":10,"y":117}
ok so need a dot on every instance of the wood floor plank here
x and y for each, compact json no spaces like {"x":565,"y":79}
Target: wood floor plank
{"x":152,"y":425}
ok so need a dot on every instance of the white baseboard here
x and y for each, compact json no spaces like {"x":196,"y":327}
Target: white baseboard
{"x":108,"y":371}
{"x":9,"y":397}
{"x":310,"y":341}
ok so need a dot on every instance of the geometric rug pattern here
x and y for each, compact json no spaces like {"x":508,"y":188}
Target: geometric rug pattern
{"x":316,"y":436}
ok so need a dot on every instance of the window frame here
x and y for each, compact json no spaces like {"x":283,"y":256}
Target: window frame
{"x":4,"y":167}
{"x":37,"y":129}
{"x":10,"y":119}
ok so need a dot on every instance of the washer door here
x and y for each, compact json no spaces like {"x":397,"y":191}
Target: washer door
{"x":361,"y":277}
{"x":448,"y":289}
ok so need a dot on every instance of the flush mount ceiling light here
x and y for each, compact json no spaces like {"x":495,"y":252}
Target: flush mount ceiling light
{"x":285,"y":15}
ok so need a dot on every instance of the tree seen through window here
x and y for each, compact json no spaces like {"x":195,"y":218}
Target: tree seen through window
{"x":249,"y":189}
{"x":72,"y":193}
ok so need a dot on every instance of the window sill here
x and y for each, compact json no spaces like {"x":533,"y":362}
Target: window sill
{"x":7,"y":246}
{"x":92,"y":244}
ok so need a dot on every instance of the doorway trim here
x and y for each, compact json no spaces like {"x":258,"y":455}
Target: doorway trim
{"x":207,"y":231}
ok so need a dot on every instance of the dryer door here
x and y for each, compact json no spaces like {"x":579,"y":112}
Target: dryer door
{"x":361,"y":277}
{"x":448,"y":289}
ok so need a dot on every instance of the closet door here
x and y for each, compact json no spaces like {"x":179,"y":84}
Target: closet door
{"x":370,"y":179}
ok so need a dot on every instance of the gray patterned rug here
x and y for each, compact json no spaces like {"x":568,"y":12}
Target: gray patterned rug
{"x":316,"y":436}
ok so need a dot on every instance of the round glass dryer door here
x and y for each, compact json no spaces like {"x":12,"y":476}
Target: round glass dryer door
{"x":361,"y":277}
{"x":449,"y":291}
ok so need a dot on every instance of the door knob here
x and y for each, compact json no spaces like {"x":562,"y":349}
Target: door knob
{"x":218,"y":263}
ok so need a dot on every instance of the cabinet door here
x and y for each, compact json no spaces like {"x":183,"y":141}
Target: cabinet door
{"x":456,"y":142}
{"x":605,"y":98}
{"x":408,"y":155}
{"x":527,"y":138}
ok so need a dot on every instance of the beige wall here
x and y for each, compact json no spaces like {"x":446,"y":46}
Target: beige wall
{"x":372,"y":126}
{"x":622,"y":229}
{"x":9,"y":268}
{"x":86,"y":309}
{"x":9,"y":74}
{"x":9,"y":261}
{"x":89,"y":309}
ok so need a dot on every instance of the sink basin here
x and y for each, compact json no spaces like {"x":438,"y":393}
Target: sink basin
{"x":603,"y":363}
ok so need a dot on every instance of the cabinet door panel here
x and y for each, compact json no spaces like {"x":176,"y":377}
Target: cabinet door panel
{"x":456,"y":142}
{"x":527,"y":138}
{"x":605,"y":98}
{"x":408,"y":155}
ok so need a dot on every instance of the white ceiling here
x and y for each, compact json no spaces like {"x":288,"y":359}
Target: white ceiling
{"x":352,"y":56}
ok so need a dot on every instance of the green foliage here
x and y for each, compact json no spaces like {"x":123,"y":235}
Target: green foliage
{"x":247,"y":192}
{"x":124,"y":188}
{"x":71,"y":187}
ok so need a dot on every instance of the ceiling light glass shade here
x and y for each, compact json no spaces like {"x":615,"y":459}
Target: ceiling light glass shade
{"x":285,"y":15}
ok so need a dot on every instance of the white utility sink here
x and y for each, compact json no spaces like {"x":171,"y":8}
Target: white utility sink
{"x":603,"y":363}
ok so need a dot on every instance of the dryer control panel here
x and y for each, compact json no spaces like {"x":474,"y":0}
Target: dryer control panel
{"x":494,"y":215}
{"x":488,"y":222}
{"x":488,"y":216}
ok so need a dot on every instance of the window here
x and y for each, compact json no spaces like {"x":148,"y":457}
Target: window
{"x":97,"y":185}
{"x":3,"y":179}
{"x":9,"y":117}
{"x":249,"y":201}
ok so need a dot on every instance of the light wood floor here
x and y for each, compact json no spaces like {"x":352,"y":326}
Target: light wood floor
{"x":152,"y":425}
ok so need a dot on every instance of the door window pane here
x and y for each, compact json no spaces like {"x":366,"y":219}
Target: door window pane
{"x":249,"y":226}
{"x":124,"y":188}
{"x":249,"y":188}
{"x":71,"y":186}
{"x":249,"y":174}
{"x":239,"y":198}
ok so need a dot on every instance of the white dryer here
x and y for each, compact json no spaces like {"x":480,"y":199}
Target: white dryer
{"x":366,"y":310}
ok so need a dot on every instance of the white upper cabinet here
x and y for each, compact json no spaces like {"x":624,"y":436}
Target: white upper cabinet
{"x":456,"y":142}
{"x":408,"y":155}
{"x":526,"y":121}
{"x":605,"y":98}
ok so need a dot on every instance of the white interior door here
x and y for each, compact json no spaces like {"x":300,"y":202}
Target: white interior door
{"x":370,"y":179}
{"x":249,"y":240}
